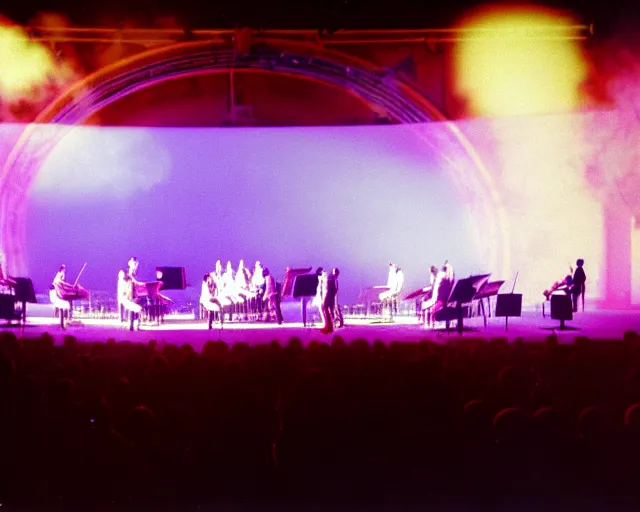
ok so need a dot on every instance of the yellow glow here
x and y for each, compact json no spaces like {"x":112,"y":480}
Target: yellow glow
{"x":24,"y":65}
{"x":512,"y":67}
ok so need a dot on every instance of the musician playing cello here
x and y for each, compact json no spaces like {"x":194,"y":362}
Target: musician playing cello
{"x":67,"y":291}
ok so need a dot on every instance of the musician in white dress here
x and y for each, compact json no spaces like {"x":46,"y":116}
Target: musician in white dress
{"x":209,"y":300}
{"x":218,"y":283}
{"x":258,"y":286}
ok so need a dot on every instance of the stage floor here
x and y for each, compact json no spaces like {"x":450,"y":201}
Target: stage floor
{"x":531,"y":327}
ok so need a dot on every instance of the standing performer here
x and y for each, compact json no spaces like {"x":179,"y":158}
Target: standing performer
{"x":337,"y":310}
{"x":271,"y":295}
{"x":321,"y":291}
{"x":121,"y":292}
{"x":578,"y":287}
{"x":329,"y":300}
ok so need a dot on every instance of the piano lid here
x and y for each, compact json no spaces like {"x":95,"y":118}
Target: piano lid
{"x":289,"y":277}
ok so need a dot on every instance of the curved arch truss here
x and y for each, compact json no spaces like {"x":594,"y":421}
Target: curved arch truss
{"x":374,"y":85}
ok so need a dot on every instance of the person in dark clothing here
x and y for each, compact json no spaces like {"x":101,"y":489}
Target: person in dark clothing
{"x":329,"y":301}
{"x":578,"y":287}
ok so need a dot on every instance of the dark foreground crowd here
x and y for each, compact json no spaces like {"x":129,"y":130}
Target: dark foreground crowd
{"x":476,"y":424}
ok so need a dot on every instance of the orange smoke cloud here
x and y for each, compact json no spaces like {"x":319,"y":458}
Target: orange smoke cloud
{"x":518,"y":61}
{"x":32,"y":73}
{"x":24,"y":65}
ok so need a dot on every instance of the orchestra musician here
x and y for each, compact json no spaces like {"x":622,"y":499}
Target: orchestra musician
{"x":579,"y":281}
{"x":6,"y":280}
{"x":229,"y":289}
{"x":271,"y":296}
{"x":258,"y":286}
{"x":433,"y":274}
{"x":242,"y":282}
{"x":121,"y":292}
{"x":67,"y":291}
{"x":395,"y":283}
{"x":330,"y":302}
{"x":440,"y":293}
{"x":132,"y":268}
{"x":217,"y":277}
{"x":318,"y":300}
{"x":208,"y":298}
{"x":564,"y":284}
{"x":128,"y":301}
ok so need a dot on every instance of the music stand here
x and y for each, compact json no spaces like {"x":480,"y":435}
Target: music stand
{"x":304,"y":287}
{"x":508,"y":304}
{"x":25,"y":293}
{"x":463,"y":292}
{"x":488,"y":290}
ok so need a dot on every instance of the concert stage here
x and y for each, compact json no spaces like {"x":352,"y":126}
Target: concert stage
{"x":531,"y":327}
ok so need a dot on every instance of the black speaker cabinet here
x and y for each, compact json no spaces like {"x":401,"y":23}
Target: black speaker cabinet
{"x":7,"y":307}
{"x":509,"y":304}
{"x":561,"y":307}
{"x":173,"y":278}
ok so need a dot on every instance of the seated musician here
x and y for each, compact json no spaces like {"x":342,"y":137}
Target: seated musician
{"x":395,"y":283}
{"x":209,"y":299}
{"x":440,"y":293}
{"x":242,"y":287}
{"x":217,"y":277}
{"x":227,"y":288}
{"x":421,"y":306}
{"x":67,"y":291}
{"x":6,"y":281}
{"x":257,"y":279}
{"x":391,"y":283}
{"x":563,"y":284}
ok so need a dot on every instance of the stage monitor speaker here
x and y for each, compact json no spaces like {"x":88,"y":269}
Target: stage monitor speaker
{"x":173,"y":278}
{"x":561,"y":307}
{"x":509,"y":304}
{"x":7,"y":307}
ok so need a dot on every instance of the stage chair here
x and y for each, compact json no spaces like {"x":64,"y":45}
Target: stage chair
{"x":133,"y":311}
{"x":213,"y":309}
{"x":561,"y":308}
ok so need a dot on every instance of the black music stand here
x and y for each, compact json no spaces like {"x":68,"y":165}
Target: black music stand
{"x":508,"y":304}
{"x":172,"y":278}
{"x":488,"y":290}
{"x":463,"y":292}
{"x":304,"y":287}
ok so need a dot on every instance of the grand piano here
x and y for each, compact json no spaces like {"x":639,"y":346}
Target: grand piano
{"x":154,"y":304}
{"x":467,"y":299}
